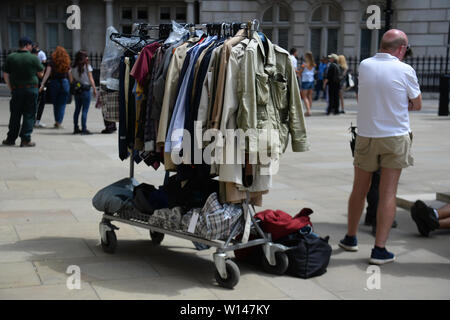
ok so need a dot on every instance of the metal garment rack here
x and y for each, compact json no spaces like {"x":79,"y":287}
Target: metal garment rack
{"x":227,"y":272}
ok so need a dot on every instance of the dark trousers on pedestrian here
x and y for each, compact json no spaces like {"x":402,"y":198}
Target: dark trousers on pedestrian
{"x":333,"y":98}
{"x":22,"y":105}
{"x":41,"y":105}
{"x":318,"y":88}
{"x":82,"y":102}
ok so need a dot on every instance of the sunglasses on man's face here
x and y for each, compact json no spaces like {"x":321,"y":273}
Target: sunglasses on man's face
{"x":408,"y":52}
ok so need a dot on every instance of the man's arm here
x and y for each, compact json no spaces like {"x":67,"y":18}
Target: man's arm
{"x":46,"y":76}
{"x":415,"y":104}
{"x":6,"y":77}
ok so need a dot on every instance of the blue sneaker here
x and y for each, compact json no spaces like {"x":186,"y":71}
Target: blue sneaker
{"x":349,"y":243}
{"x":381,"y":256}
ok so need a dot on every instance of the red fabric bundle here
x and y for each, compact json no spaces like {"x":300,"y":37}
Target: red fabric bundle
{"x":281,"y":224}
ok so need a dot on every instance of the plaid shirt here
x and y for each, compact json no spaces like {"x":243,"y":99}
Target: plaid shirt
{"x":110,"y":105}
{"x":215,"y":220}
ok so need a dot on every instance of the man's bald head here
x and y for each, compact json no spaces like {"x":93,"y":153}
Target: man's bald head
{"x":392,"y":40}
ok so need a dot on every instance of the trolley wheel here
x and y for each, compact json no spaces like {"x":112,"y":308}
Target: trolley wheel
{"x":157,"y":237}
{"x":233,"y":275}
{"x":111,"y":245}
{"x":281,"y":266}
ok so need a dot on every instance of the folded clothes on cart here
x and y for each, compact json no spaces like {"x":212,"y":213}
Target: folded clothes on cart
{"x":169,"y":219}
{"x":214,"y":221}
{"x":147,"y":198}
{"x":112,"y":198}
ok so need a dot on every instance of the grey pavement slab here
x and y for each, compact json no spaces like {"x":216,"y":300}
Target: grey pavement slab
{"x":94,"y":269}
{"x":49,"y":292}
{"x":18,"y":274}
{"x":166,"y":288}
{"x":47,"y":221}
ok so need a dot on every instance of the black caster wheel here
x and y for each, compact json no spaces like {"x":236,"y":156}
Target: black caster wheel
{"x":156,"y":237}
{"x":281,"y":266}
{"x":111,"y":244}
{"x":233,"y":275}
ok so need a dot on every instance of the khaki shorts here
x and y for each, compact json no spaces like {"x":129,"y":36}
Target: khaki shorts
{"x":390,"y":152}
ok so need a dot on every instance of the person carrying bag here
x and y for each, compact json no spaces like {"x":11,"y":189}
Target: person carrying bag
{"x":81,"y":89}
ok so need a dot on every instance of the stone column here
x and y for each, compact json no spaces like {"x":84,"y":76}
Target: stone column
{"x":76,"y":34}
{"x":190,"y":11}
{"x":109,"y":13}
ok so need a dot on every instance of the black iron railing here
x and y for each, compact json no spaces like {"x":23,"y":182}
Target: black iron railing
{"x":428,"y":69}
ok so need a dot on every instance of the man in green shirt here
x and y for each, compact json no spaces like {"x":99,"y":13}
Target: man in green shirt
{"x":21,"y":72}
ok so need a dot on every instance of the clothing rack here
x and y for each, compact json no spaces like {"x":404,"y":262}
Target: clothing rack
{"x":227,"y":272}
{"x":211,"y":28}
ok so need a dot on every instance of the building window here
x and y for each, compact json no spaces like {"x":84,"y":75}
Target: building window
{"x":29,"y":11}
{"x":127,"y":13}
{"x":14,"y":11}
{"x":30,"y":30}
{"x":142,"y":14}
{"x":180,"y":14}
{"x":275,"y":25}
{"x":316,"y":40}
{"x":167,"y":14}
{"x":67,"y":39}
{"x":21,"y":23}
{"x":370,"y":39}
{"x":164,"y":14}
{"x":52,"y":11}
{"x":14,"y":34}
{"x":52,"y":35}
{"x":324,"y":26}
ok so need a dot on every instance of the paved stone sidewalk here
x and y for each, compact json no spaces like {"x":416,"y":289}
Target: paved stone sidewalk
{"x":47,"y":222}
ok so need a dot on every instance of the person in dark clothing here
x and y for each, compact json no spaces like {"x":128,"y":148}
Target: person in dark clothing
{"x":320,"y":78}
{"x":21,"y":72}
{"x":41,"y":96}
{"x":110,"y":127}
{"x":333,"y":81}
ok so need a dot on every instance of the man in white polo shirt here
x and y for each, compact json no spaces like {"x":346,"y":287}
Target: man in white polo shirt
{"x":388,"y":89}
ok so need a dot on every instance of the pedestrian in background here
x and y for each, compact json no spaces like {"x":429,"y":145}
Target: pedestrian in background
{"x":320,"y":76}
{"x":40,"y":54}
{"x":41,"y":98}
{"x":343,"y":68}
{"x":307,"y":71}
{"x":293,"y":56}
{"x":384,"y":137}
{"x":82,"y":83}
{"x":21,"y":71}
{"x":333,"y":80}
{"x":58,"y":72}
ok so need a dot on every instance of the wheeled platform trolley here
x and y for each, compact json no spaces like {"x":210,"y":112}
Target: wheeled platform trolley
{"x":227,"y":272}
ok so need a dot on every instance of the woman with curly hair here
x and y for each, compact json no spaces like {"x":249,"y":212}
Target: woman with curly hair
{"x":58,"y":71}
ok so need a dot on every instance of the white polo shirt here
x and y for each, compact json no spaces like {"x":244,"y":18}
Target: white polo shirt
{"x":385,"y":84}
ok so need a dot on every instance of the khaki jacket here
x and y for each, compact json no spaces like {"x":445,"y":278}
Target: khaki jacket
{"x":269,"y":96}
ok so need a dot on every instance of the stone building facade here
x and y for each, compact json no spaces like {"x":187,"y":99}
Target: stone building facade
{"x":322,"y":26}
